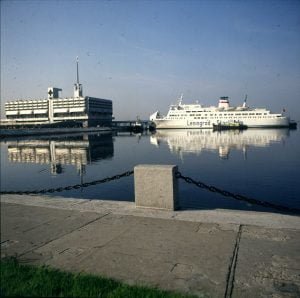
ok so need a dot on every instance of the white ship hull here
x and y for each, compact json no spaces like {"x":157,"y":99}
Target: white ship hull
{"x":187,"y":124}
{"x":189,"y":116}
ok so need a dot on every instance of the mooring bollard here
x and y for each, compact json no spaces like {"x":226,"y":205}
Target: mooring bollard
{"x":155,"y":186}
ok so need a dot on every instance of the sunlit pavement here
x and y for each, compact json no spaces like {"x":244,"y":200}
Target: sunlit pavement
{"x":218,"y":253}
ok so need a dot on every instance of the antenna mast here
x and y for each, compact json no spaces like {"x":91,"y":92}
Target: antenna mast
{"x":77,"y":86}
{"x":77,"y":60}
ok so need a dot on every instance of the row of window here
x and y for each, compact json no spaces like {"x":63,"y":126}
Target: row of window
{"x":199,"y":123}
{"x":56,"y":104}
{"x":225,"y":114}
{"x":32,"y":116}
{"x":58,"y":100}
{"x":70,"y":114}
{"x":16,"y":102}
{"x":25,"y":107}
{"x":101,"y":104}
{"x":68,"y":102}
{"x":68,"y":106}
{"x":81,"y":114}
{"x":224,"y":117}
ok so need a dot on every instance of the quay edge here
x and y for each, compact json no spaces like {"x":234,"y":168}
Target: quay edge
{"x":42,"y":131}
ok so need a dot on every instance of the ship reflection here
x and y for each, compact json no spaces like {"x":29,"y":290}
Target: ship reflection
{"x":79,"y":151}
{"x":185,"y":141}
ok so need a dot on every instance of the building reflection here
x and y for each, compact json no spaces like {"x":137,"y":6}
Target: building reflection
{"x":195,"y":141}
{"x":79,"y":150}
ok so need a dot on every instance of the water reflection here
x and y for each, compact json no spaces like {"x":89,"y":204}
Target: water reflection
{"x":186,"y":141}
{"x":270,"y":174}
{"x":78,"y":150}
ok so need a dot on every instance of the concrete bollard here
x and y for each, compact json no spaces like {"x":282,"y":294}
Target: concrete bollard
{"x":156,"y":186}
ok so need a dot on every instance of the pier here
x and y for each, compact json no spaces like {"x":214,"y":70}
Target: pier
{"x":130,"y":125}
{"x":9,"y":130}
{"x":47,"y":131}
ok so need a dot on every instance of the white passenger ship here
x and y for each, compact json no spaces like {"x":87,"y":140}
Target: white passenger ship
{"x":197,"y":116}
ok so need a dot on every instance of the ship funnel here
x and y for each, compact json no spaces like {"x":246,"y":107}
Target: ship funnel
{"x":224,"y":102}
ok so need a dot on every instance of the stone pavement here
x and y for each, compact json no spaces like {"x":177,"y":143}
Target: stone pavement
{"x":218,"y":257}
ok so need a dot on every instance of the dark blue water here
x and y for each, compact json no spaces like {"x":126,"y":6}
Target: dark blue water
{"x":262,"y":164}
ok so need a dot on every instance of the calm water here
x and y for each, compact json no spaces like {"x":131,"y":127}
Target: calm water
{"x":262,"y":164}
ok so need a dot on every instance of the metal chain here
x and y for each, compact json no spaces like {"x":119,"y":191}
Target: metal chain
{"x":238,"y":197}
{"x":178,"y":175}
{"x":76,"y":186}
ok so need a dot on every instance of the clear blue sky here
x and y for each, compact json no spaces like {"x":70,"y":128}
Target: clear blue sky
{"x":144,"y":54}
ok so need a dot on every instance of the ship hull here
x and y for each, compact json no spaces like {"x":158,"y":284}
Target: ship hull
{"x":250,"y":123}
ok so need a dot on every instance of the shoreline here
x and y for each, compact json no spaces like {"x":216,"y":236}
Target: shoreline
{"x":41,"y":131}
{"x":215,"y":216}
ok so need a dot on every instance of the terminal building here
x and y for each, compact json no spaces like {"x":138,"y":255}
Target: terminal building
{"x":78,"y":111}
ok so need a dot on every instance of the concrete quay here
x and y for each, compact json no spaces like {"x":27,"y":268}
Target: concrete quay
{"x":216,"y":253}
{"x":19,"y":132}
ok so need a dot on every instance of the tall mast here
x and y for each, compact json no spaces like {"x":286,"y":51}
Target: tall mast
{"x":77,"y":60}
{"x":77,"y":86}
{"x":245,"y":101}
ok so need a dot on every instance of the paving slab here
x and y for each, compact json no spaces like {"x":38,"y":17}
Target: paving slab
{"x":221,"y":216}
{"x":175,"y":255}
{"x":268,"y":263}
{"x":216,"y":259}
{"x":24,"y":228}
{"x":185,"y":256}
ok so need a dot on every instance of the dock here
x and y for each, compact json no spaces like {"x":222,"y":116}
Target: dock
{"x":121,"y":126}
{"x":47,"y":131}
{"x":131,"y":125}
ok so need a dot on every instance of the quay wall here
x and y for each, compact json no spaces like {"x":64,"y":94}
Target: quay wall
{"x":43,"y":131}
{"x":215,"y":216}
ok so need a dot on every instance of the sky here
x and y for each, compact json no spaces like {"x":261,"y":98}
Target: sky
{"x":144,"y":54}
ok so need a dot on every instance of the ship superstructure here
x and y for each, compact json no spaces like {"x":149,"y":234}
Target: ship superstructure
{"x":197,"y":116}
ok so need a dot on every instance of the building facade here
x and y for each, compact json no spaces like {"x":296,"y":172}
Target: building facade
{"x":78,"y":110}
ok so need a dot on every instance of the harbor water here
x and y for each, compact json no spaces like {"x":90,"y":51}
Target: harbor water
{"x":259,"y":163}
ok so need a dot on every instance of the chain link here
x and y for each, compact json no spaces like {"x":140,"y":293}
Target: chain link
{"x":76,"y":186}
{"x":178,"y":175}
{"x":238,"y":197}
